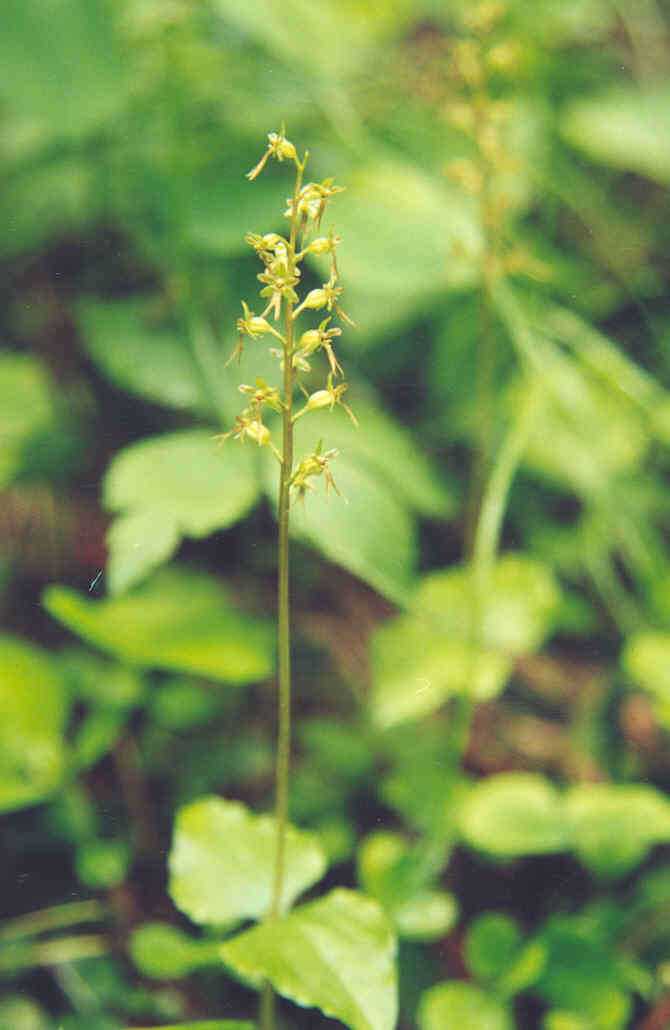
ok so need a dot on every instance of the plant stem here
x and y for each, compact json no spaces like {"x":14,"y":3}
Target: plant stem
{"x":267,"y":1008}
{"x":284,"y":728}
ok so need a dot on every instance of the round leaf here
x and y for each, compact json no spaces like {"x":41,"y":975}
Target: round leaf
{"x":613,"y":826}
{"x":222,"y":862}
{"x":514,"y":814}
{"x":462,"y":1005}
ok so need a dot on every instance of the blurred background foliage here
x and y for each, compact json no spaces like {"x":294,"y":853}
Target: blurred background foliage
{"x":505,"y":257}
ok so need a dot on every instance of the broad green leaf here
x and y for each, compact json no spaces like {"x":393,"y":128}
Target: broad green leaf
{"x":614,"y":826}
{"x":336,"y":954}
{"x":646,"y":660}
{"x":421,"y":659}
{"x":381,"y":443}
{"x":26,"y":410}
{"x":61,"y":66}
{"x":367,"y":530}
{"x":514,"y":814}
{"x":162,"y":952}
{"x":167,"y":487}
{"x":222,"y":861}
{"x":462,"y":1005}
{"x":593,"y":410}
{"x":179,"y":620}
{"x":406,"y":235}
{"x":34,"y":705}
{"x":224,"y":207}
{"x":626,"y":128}
{"x":138,"y":352}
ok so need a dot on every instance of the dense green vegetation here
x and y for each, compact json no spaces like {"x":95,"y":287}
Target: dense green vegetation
{"x":479,"y":799}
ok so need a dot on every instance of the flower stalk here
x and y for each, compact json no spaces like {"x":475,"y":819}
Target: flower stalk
{"x":280,"y":280}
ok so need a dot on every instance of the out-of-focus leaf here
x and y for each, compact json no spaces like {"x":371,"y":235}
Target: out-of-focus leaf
{"x":371,"y":533}
{"x":61,"y":65}
{"x":462,"y":1005}
{"x":388,"y":870}
{"x":420,"y":659}
{"x":492,"y":940}
{"x":18,"y":1012}
{"x":163,"y":952}
{"x":47,"y":198}
{"x":34,"y":705}
{"x":646,"y":660}
{"x":496,"y":953}
{"x":169,"y":486}
{"x":626,"y":128}
{"x":26,"y":409}
{"x":299,"y":35}
{"x":179,"y":620}
{"x":182,"y":705}
{"x":513,"y":814}
{"x":613,"y":826}
{"x":101,"y":682}
{"x":582,"y":975}
{"x":222,"y":860}
{"x":140,"y":354}
{"x":207,"y":1024}
{"x":380,"y":443}
{"x":102,"y":863}
{"x":406,"y":238}
{"x":336,"y":954}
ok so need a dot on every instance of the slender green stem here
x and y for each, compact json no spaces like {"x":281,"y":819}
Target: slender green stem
{"x":284,"y":728}
{"x":267,"y":1006}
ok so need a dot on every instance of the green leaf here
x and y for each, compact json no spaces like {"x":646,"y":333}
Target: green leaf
{"x":34,"y":705}
{"x":614,"y":826}
{"x":462,"y":1005}
{"x":163,"y":952}
{"x":179,"y":620}
{"x":428,"y":916}
{"x":371,"y":533}
{"x":493,"y":939}
{"x":102,"y":863}
{"x":142,"y":354}
{"x":61,"y":67}
{"x":222,"y":861}
{"x":167,"y":487}
{"x":207,"y":1024}
{"x":626,"y":127}
{"x":421,"y":659}
{"x":646,"y":660}
{"x":406,"y":236}
{"x":514,"y":814}
{"x":582,"y":975}
{"x":336,"y":954}
{"x":27,"y":410}
{"x":382,"y":444}
{"x":388,"y":869}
